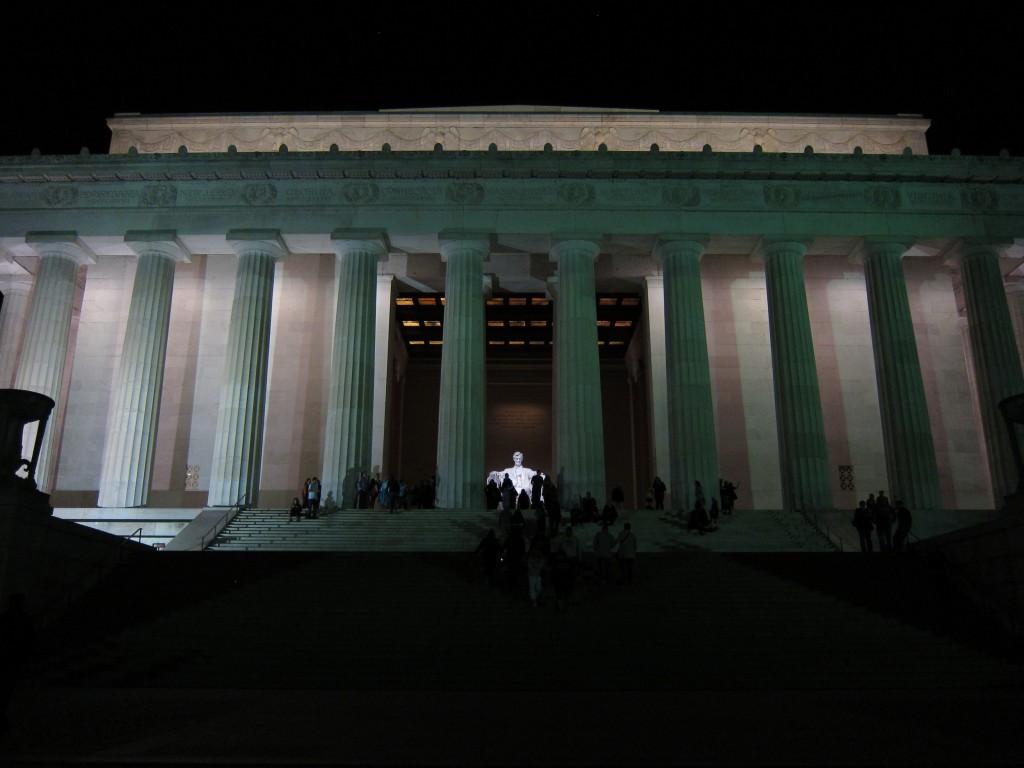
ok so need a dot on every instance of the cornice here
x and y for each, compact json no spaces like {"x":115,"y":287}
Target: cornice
{"x":288,"y":166}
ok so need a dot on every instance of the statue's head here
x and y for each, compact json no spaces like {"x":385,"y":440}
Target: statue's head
{"x":517,"y":458}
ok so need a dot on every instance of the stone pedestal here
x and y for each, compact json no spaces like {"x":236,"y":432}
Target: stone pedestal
{"x":349,"y":422}
{"x":131,"y":438}
{"x":693,"y":449}
{"x":909,"y":448}
{"x":238,"y":442}
{"x":45,"y":345}
{"x":17,"y":294}
{"x":997,"y":367}
{"x":803,"y":452}
{"x":579,"y":426}
{"x":460,"y":426}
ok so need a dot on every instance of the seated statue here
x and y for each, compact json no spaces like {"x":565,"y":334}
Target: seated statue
{"x":518,"y":474}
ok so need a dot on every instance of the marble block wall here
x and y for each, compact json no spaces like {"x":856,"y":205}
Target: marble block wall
{"x":952,"y":407}
{"x":736,"y":316}
{"x":845,"y":360}
{"x":300,"y":357}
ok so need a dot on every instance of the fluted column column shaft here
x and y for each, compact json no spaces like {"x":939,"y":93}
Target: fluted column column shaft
{"x":238,"y":443}
{"x":803,"y":452}
{"x":349,"y":427}
{"x":45,"y":345}
{"x":909,"y":449}
{"x":131,"y":442}
{"x":579,"y":435}
{"x":997,"y":368}
{"x":693,"y":448}
{"x":12,"y":328}
{"x":460,"y":425}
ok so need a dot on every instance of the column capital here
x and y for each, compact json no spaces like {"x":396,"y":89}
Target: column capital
{"x":348,"y":240}
{"x":268,"y":241}
{"x":162,"y":242}
{"x":976,"y":247}
{"x":688,"y":244}
{"x":879,"y":246}
{"x":65,"y":244}
{"x":575,"y":244}
{"x":456,"y":241}
{"x":772,"y":244}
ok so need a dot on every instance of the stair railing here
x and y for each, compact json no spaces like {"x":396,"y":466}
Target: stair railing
{"x":825,"y":530}
{"x":133,"y":534}
{"x":221,"y":523}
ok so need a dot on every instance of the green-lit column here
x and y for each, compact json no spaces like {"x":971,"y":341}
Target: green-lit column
{"x":693,"y":449}
{"x":349,"y":424}
{"x":909,"y":449}
{"x":460,"y":424}
{"x":44,"y":349}
{"x":579,"y":422}
{"x":803,"y":452}
{"x":128,"y":452}
{"x":997,"y":369}
{"x":238,"y":441}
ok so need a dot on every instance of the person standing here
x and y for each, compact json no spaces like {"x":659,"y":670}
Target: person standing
{"x":862,"y":522}
{"x":659,"y":488}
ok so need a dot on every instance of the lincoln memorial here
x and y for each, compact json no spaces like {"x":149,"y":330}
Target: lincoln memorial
{"x":814,"y":308}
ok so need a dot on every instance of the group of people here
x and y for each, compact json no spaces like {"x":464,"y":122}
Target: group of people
{"x":307,"y":503}
{"x":555,"y":558}
{"x":878,"y":515}
{"x":394,"y":495}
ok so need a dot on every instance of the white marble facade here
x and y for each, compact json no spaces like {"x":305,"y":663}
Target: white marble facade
{"x":521,"y":199}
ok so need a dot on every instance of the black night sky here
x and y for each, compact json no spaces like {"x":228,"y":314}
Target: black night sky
{"x":64,"y":76}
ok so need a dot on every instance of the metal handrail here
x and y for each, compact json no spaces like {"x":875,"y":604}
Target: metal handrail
{"x":824,"y":529}
{"x":133,"y":534}
{"x":238,"y":505}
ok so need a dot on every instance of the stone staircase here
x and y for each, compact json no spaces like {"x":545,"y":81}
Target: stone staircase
{"x":694,"y":620}
{"x":461,"y":531}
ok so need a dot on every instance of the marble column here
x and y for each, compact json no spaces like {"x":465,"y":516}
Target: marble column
{"x":803,"y":452}
{"x":1015,"y":300}
{"x":238,"y":441}
{"x":693,"y":448}
{"x":388,"y":369}
{"x":13,"y":315}
{"x":657,"y":393}
{"x":349,"y":422}
{"x":997,"y":366}
{"x":44,"y":347}
{"x":579,"y":422}
{"x":131,"y":440}
{"x":909,"y":449}
{"x":460,"y":425}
